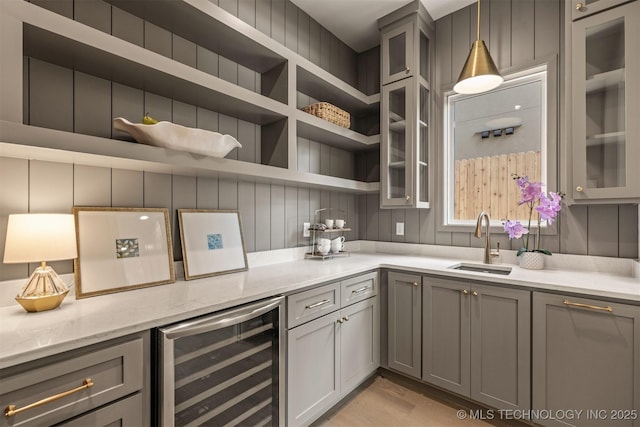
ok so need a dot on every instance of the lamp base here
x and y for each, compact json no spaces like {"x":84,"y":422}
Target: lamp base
{"x":41,"y":303}
{"x":43,"y":291}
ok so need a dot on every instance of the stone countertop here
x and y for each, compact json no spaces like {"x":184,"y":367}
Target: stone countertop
{"x":78,"y":323}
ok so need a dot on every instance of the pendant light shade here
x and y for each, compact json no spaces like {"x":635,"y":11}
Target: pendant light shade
{"x":479,"y":73}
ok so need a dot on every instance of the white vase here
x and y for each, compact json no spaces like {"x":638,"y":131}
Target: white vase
{"x":531,"y":260}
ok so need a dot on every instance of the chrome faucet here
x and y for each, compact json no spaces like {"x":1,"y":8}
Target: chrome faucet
{"x":488,"y":252}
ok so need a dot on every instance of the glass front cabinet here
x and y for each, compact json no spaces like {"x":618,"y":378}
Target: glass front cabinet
{"x":606,"y":105}
{"x":405,"y":113}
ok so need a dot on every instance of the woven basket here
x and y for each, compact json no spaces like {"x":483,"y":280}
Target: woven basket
{"x":330,"y":113}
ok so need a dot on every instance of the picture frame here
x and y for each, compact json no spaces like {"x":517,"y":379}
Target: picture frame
{"x":121,"y":249}
{"x":212,"y":242}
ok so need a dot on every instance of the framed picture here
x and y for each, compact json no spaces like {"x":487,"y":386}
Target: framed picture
{"x":120,"y":249}
{"x":212,"y":242}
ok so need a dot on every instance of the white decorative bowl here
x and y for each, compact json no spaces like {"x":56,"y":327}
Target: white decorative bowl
{"x":177,"y":137}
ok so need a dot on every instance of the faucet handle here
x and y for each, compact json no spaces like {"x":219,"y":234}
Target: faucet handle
{"x":495,"y":253}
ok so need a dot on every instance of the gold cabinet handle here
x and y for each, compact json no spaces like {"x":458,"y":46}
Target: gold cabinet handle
{"x":475,"y":294}
{"x":579,"y":6}
{"x":579,"y":189}
{"x":407,"y":198}
{"x":11,"y":410}
{"x":340,"y":320}
{"x":415,"y":284}
{"x":317,"y":304}
{"x":407,"y":70}
{"x":592,"y":307}
{"x":346,"y":318}
{"x":465,"y":292}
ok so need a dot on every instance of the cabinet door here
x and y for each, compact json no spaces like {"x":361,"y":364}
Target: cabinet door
{"x":396,"y":148}
{"x":405,"y":310}
{"x":446,"y":334}
{"x":584,"y":8}
{"x":605,"y":86}
{"x":359,"y":343}
{"x":586,"y":357}
{"x":501,"y":347}
{"x":397,"y":53}
{"x":313,"y":369}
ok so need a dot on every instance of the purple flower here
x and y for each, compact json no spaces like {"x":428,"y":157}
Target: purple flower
{"x":529,"y":191}
{"x":515,"y":229}
{"x":549,"y":208}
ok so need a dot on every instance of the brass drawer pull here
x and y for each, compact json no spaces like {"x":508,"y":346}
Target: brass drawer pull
{"x":592,"y":307}
{"x":362,"y":289}
{"x":317,"y":304}
{"x":11,"y":410}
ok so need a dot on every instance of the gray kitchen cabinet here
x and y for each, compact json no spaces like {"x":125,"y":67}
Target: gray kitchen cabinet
{"x":73,"y":387}
{"x":331,"y":355}
{"x":405,"y":113}
{"x":584,"y":8}
{"x":477,"y":341}
{"x":404,"y":317}
{"x":586,"y":357}
{"x":605,"y":104}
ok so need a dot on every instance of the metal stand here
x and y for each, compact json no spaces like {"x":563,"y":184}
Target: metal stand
{"x":330,"y":232}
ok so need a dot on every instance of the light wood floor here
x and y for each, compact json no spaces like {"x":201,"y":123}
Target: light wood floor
{"x":389,"y":401}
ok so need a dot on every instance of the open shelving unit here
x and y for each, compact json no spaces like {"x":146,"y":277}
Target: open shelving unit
{"x":55,"y":39}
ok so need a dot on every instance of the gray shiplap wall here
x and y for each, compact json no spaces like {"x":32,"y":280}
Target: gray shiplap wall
{"x":517,"y":33}
{"x":272,"y":215}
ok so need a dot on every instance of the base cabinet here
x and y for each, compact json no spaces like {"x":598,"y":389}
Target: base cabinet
{"x":477,"y":341}
{"x":77,"y":387}
{"x":586,"y":358}
{"x":405,"y":314}
{"x":328,"y":357}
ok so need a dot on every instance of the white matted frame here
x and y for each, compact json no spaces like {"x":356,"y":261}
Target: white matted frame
{"x":212,"y":242}
{"x":120,"y":249}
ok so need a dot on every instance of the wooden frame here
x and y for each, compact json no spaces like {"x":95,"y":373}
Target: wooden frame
{"x":212,"y":242}
{"x":120,"y":249}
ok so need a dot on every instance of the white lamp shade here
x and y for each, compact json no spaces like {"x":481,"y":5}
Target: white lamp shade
{"x":40,"y":237}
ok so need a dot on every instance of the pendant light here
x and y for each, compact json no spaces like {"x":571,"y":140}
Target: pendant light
{"x":479,"y":73}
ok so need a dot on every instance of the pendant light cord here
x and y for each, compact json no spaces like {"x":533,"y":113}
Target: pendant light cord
{"x":478,"y":28}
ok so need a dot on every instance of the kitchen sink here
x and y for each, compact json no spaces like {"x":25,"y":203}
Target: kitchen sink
{"x":482,"y":268}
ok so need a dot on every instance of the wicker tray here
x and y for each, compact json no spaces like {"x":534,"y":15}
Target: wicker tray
{"x":330,"y":113}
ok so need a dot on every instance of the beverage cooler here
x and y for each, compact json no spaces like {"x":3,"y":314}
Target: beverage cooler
{"x":223,"y":369}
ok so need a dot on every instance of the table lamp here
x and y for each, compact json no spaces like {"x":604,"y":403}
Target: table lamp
{"x":40,"y":238}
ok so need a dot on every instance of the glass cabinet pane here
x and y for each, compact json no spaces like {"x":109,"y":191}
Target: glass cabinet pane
{"x":423,"y":145}
{"x":397,"y":53}
{"x":397,"y":143}
{"x":424,"y":56}
{"x":605,"y":124}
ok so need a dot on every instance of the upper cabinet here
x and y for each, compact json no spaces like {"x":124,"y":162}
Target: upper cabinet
{"x":405,"y":113}
{"x":605,"y":132}
{"x":589,"y":7}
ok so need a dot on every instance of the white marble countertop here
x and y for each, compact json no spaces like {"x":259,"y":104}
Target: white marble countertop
{"x":77,"y":323}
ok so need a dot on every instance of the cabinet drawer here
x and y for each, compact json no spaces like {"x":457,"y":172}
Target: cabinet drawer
{"x":311,"y":304}
{"x":126,"y":413}
{"x":359,"y":288}
{"x":115,"y":372}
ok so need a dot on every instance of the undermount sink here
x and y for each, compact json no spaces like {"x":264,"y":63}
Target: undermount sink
{"x":482,"y":268}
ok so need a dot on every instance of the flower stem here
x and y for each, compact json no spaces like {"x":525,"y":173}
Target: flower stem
{"x":538,"y":233}
{"x":529,"y":225}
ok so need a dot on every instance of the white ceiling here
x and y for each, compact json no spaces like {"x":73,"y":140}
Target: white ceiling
{"x":355,"y":21}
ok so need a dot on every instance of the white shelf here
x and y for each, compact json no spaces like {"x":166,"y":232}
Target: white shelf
{"x":399,"y":126}
{"x":35,"y":143}
{"x":609,"y":79}
{"x":324,"y":86}
{"x":606,"y":138}
{"x":317,"y":129}
{"x":213,"y":28}
{"x":56,"y":39}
